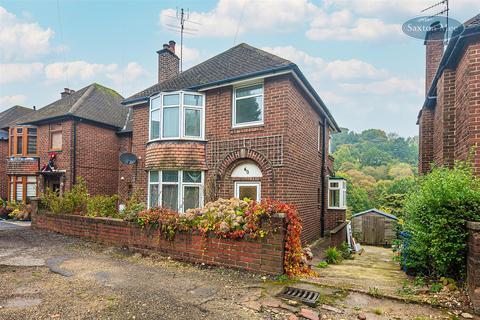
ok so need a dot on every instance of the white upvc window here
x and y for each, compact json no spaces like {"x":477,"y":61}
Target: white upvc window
{"x":176,"y":190}
{"x":337,"y":194}
{"x":177,"y":115}
{"x":250,"y":190}
{"x":247,"y":105}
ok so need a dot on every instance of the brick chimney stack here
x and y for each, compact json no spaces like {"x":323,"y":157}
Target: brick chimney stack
{"x":168,"y":62}
{"x":66,"y":92}
{"x":434,"y":52}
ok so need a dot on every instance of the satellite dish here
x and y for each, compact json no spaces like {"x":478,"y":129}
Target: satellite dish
{"x":128,"y":158}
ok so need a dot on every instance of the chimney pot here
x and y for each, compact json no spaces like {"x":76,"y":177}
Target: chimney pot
{"x":172,"y":44}
{"x":166,"y":46}
{"x":66,"y":92}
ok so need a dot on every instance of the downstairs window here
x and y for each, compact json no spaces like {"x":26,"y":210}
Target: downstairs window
{"x":337,"y":193}
{"x":176,"y":190}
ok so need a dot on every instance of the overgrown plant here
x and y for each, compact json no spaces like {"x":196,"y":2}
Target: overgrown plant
{"x":102,"y":206}
{"x":333,"y":256}
{"x":435,"y":219}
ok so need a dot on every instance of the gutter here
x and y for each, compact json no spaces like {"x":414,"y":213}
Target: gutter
{"x":446,"y":60}
{"x":323,"y":177}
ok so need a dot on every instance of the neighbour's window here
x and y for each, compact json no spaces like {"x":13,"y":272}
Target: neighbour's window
{"x":31,"y":140}
{"x":176,"y":190}
{"x":56,"y":136}
{"x":337,"y":194}
{"x":248,"y":106}
{"x":177,"y":116}
{"x":23,"y":141}
{"x":22,"y":188}
{"x":330,"y":145}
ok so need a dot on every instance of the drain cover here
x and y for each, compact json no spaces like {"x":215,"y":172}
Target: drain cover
{"x":306,"y":296}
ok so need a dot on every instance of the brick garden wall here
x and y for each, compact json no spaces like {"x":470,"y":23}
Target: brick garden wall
{"x":3,"y":165}
{"x":260,"y":256}
{"x":473,"y":264}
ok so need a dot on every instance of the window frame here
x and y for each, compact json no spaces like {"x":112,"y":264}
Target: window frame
{"x":50,"y":132}
{"x":13,"y":141}
{"x":180,"y":190}
{"x":234,"y":105}
{"x":181,"y":116}
{"x":14,"y":180}
{"x":257,"y":184}
{"x":342,"y":193}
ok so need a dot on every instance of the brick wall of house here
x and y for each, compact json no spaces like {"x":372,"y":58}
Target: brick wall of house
{"x":425,"y":146}
{"x":139,"y":143}
{"x":288,"y":116}
{"x":3,"y":168}
{"x":304,"y":163}
{"x":97,"y":161}
{"x":473,"y":264}
{"x":444,"y":120}
{"x":125,"y":171}
{"x":474,"y":110}
{"x":462,"y":103}
{"x":64,"y":157}
{"x":259,"y":255}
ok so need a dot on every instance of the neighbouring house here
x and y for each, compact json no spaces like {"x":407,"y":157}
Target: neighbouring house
{"x":244,"y":123}
{"x":449,"y":121}
{"x":374,"y":227}
{"x":6,"y":118}
{"x":78,"y":135}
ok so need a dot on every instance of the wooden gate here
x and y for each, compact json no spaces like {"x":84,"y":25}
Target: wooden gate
{"x":373,"y":230}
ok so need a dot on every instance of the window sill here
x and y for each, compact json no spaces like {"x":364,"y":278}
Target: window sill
{"x":336,"y":208}
{"x":179,"y":140}
{"x":54,"y":150}
{"x":247,"y":128}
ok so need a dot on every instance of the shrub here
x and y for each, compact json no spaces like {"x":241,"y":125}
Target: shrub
{"x":72,"y":202}
{"x":332,"y":256}
{"x":133,"y":206}
{"x":102,"y":206}
{"x":345,"y":251}
{"x":435,"y":217}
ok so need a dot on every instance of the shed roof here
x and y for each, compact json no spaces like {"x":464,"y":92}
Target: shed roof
{"x":376,"y":211}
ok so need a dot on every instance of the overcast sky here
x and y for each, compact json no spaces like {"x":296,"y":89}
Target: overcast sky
{"x":353,"y":52}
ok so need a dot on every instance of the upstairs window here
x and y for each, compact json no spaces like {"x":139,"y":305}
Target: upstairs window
{"x":337,"y":194}
{"x":56,"y":136}
{"x":248,"y":106}
{"x":178,"y":115}
{"x":23,"y":141}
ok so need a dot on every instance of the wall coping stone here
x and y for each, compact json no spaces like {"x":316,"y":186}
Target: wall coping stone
{"x":475,"y":226}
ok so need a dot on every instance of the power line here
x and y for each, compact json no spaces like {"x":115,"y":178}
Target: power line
{"x":62,"y":46}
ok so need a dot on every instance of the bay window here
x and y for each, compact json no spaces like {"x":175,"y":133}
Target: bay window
{"x":177,"y":115}
{"x":176,"y":190}
{"x":248,"y":105}
{"x":337,"y":193}
{"x":22,"y":188}
{"x":23,"y":141}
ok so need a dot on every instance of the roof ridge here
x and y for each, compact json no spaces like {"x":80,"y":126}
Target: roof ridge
{"x":83,"y":97}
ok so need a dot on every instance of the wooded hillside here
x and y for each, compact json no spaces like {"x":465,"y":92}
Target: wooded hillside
{"x":379,"y":167}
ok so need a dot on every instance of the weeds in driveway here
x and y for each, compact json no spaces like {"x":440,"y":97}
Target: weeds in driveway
{"x":332,"y":256}
{"x":374,"y":292}
{"x":377,"y":311}
{"x":322,"y":264}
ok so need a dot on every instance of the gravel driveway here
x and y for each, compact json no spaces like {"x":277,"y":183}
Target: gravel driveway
{"x":45,"y":275}
{"x":49,"y":276}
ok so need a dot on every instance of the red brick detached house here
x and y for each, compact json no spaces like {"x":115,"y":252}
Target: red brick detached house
{"x":449,"y":122}
{"x":6,"y":118}
{"x":244,"y":123}
{"x":78,"y":133}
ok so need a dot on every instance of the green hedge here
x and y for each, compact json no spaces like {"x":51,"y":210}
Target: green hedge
{"x":435,"y":216}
